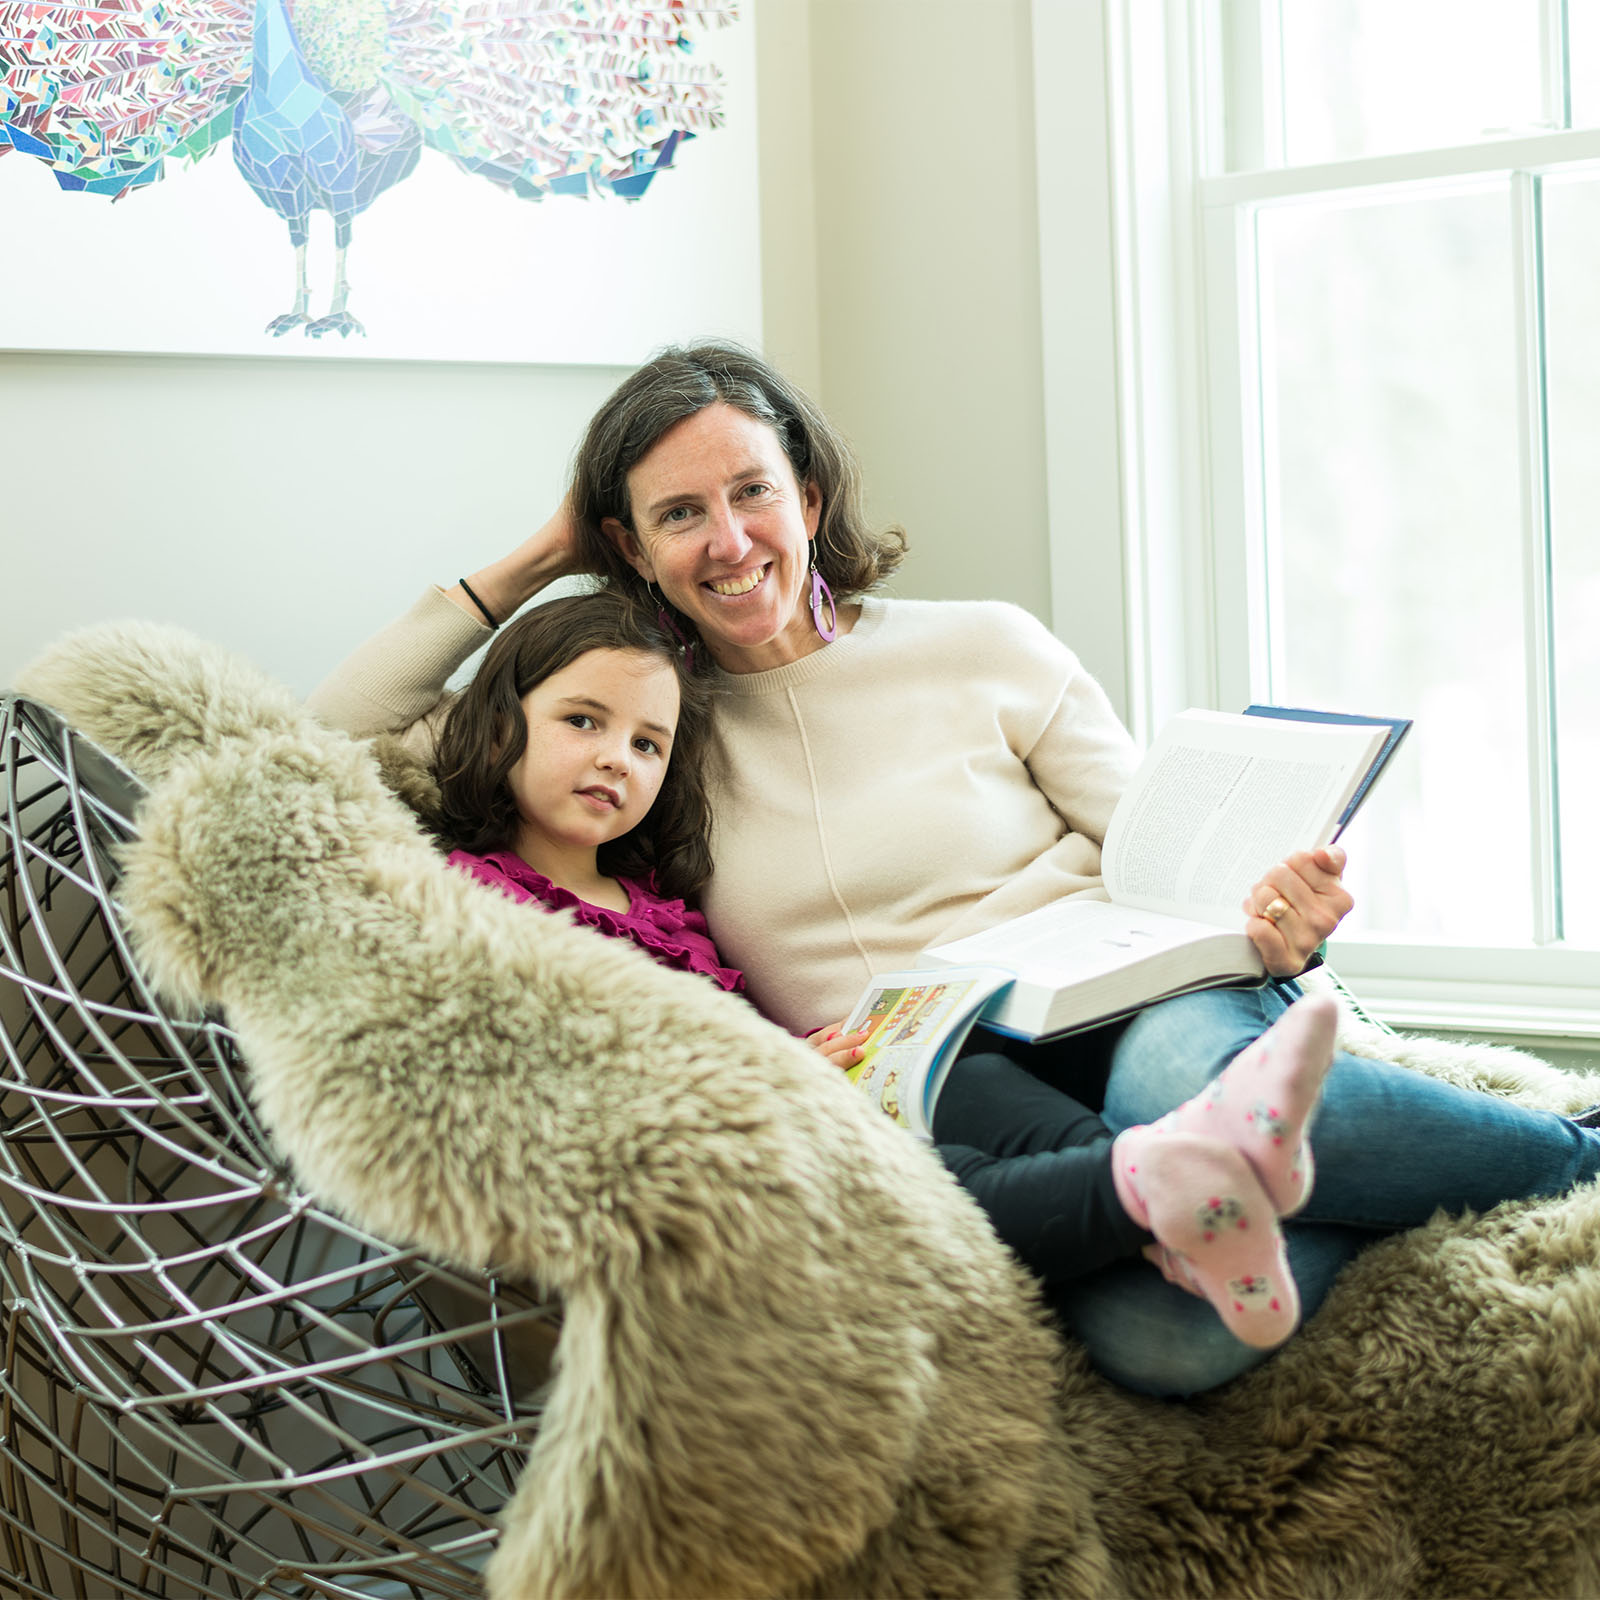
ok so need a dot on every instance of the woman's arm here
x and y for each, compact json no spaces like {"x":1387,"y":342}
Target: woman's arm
{"x":506,"y":585}
{"x":395,"y":681}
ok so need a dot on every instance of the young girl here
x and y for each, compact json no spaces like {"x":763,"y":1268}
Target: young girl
{"x":570,"y":774}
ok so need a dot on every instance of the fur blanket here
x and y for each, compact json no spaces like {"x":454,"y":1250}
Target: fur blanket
{"x":795,"y":1359}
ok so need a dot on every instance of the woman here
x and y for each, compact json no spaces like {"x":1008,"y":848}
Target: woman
{"x":895,"y":773}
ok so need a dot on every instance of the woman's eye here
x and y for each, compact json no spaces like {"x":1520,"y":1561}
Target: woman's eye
{"x":676,"y":517}
{"x":754,"y":491}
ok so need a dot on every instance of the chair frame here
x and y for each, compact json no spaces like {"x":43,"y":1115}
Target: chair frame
{"x":209,"y":1385}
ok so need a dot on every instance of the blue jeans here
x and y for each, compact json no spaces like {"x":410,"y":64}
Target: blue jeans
{"x":1391,"y":1146}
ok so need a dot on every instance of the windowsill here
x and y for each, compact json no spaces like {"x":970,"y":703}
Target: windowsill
{"x":1414,"y":1014}
{"x":1551,"y":994}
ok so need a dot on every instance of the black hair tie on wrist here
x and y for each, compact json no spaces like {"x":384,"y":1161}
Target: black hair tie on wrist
{"x":488,"y":615}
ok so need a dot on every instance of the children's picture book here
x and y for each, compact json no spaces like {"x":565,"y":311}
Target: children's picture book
{"x":918,"y":1021}
{"x":1218,"y":799}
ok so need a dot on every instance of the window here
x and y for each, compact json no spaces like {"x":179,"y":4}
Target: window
{"x":1359,"y":322}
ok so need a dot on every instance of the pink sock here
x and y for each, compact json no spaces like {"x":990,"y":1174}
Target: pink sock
{"x":1205,"y":1206}
{"x":1262,"y":1101}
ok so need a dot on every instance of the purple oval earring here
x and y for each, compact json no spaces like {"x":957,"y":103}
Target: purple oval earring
{"x":669,"y":625}
{"x":820,"y":592}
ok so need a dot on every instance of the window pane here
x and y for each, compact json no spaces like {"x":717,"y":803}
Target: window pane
{"x":1371,"y":77}
{"x":1389,"y":400}
{"x":1572,"y":313}
{"x":1583,"y":54}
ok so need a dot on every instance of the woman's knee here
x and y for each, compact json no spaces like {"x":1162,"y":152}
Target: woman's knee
{"x":1171,"y":1050}
{"x":1151,"y":1337}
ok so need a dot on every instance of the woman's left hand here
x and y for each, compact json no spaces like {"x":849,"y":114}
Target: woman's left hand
{"x":1295,"y":907}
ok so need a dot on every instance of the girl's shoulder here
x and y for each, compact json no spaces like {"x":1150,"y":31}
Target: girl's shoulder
{"x":670,"y":931}
{"x":508,"y":871}
{"x":651,"y":906}
{"x":674,"y":933}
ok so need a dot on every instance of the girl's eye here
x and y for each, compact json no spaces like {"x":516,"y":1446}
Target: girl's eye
{"x":647,"y":747}
{"x":579,"y":720}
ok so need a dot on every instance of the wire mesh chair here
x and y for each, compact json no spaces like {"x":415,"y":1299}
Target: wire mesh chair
{"x":208,"y":1385}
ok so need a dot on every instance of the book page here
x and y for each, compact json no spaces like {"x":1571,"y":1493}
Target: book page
{"x":1219,"y":799}
{"x":1068,"y":940}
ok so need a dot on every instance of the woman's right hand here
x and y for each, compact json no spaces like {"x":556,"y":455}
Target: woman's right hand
{"x":842,"y":1049}
{"x":552,"y":551}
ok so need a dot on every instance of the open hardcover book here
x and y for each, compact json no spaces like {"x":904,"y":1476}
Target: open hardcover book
{"x":1217,"y":801}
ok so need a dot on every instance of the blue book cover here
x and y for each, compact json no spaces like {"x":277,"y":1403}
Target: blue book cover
{"x":1398,"y":728}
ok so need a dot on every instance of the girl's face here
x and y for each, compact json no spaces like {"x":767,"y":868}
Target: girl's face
{"x":722,"y":525}
{"x":599,"y":737}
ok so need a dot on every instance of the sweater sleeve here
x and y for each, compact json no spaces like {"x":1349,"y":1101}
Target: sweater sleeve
{"x":395,"y":682}
{"x":1075,"y":752}
{"x":1083,"y":757}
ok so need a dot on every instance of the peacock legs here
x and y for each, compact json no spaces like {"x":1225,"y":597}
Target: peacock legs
{"x":298,"y":317}
{"x":338,"y":319}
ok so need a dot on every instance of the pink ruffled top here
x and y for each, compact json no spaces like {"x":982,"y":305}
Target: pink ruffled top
{"x":666,"y":930}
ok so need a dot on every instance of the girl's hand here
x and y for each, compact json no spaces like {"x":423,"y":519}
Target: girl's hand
{"x":506,"y":585}
{"x":841,"y":1048}
{"x":1306,"y":902}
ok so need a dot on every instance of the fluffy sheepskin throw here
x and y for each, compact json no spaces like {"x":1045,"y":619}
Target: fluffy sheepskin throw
{"x":795,"y":1359}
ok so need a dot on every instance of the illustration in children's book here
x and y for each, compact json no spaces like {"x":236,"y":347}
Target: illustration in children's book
{"x":914,"y":1032}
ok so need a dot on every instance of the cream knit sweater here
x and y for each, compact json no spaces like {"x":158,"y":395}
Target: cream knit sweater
{"x":943,"y":766}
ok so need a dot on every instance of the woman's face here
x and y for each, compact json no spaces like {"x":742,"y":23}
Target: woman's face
{"x":723,"y":529}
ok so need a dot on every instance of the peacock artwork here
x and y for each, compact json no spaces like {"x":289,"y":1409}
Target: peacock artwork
{"x":498,"y":179}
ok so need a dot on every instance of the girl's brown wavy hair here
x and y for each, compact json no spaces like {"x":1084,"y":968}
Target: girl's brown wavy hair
{"x":486,"y":733}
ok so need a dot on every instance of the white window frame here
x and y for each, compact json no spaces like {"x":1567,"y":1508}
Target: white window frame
{"x":1151,"y":430}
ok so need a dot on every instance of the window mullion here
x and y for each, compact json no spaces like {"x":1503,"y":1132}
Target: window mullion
{"x":1229,"y":617}
{"x":1538,"y":601}
{"x":1555,"y":63}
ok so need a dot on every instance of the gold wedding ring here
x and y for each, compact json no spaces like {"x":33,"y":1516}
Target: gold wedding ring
{"x":1277,"y":910}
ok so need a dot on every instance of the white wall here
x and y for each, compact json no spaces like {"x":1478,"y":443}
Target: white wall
{"x":284,"y":507}
{"x":928,"y":289}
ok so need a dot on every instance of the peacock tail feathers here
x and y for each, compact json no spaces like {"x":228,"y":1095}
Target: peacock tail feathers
{"x":343,"y":41}
{"x":574,"y":97}
{"x":556,"y":96}
{"x":104,"y":93}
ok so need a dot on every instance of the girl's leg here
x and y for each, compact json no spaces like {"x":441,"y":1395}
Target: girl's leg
{"x":1067,"y":1199}
{"x":1392,"y":1145}
{"x":1039,"y":1163}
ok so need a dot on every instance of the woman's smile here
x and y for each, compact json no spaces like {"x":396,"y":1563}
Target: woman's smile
{"x":733,"y":587}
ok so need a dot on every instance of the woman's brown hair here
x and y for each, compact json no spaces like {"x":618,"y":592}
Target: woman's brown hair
{"x":685,"y":379}
{"x":486,"y":733}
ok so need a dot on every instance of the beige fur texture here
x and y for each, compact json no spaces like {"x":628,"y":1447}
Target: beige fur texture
{"x":795,"y":1360}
